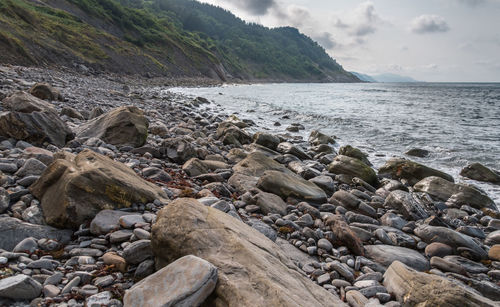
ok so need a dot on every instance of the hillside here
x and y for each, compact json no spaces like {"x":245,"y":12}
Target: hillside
{"x":160,"y":37}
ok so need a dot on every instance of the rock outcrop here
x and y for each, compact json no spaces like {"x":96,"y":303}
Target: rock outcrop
{"x":252,"y":269}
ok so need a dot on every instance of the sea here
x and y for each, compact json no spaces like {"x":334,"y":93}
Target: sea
{"x":459,"y":123}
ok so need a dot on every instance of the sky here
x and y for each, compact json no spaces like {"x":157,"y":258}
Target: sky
{"x":428,"y":40}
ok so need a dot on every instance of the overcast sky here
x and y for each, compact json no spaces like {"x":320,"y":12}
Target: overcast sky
{"x":429,"y":40}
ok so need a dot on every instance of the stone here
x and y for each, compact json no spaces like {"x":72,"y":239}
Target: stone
{"x":266,"y":139}
{"x":113,"y":259}
{"x":413,"y":172}
{"x":413,"y":288}
{"x":71,"y":284}
{"x":387,"y":254}
{"x":45,"y":91}
{"x":96,"y":112}
{"x":462,"y":194}
{"x":289,"y":148}
{"x":45,"y":156}
{"x":51,"y":291}
{"x":99,"y":299}
{"x":406,"y":204}
{"x":231,"y":134}
{"x":352,"y":152}
{"x":494,"y":252}
{"x":25,"y":103}
{"x":195,"y":167}
{"x":316,"y":138}
{"x":121,"y":126}
{"x":137,"y":251}
{"x":35,"y":122}
{"x":120,"y":236}
{"x":20,"y":287}
{"x":13,"y":231}
{"x":447,"y":266}
{"x":286,"y":185}
{"x":438,"y":249}
{"x":430,"y":234}
{"x":187,"y":281}
{"x":352,"y":167}
{"x":144,"y":269}
{"x":178,"y":150}
{"x":325,"y":244}
{"x":270,"y":203}
{"x":73,"y":189}
{"x":129,"y":220}
{"x":356,"y":298}
{"x":344,"y":234}
{"x":464,"y":263}
{"x":479,"y":172}
{"x":252,"y":269}
{"x":106,"y":221}
{"x":418,"y":152}
{"x":32,"y":166}
{"x":256,"y":164}
{"x":71,"y":113}
{"x":28,"y":245}
{"x":324,"y":182}
{"x":266,"y":230}
{"x":493,"y":238}
{"x":392,"y":220}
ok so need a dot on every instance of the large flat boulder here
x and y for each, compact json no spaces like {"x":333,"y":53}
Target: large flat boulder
{"x":411,"y":171}
{"x":430,"y":234}
{"x":459,"y":194}
{"x":387,"y":254}
{"x":479,"y":172}
{"x":286,"y":185}
{"x":32,"y":120}
{"x":344,"y":165}
{"x":73,"y":189}
{"x":256,"y":163}
{"x":13,"y":231}
{"x":121,"y":126}
{"x":412,"y":288}
{"x":187,"y":281}
{"x":253,"y":271}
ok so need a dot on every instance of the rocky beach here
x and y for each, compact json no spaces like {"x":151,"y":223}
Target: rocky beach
{"x":116,"y":192}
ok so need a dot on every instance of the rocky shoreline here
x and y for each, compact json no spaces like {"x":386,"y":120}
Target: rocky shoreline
{"x":115,"y":192}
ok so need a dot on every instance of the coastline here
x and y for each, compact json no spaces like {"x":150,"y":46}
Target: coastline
{"x":330,"y":213}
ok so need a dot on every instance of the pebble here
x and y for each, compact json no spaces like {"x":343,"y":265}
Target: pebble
{"x":71,"y":284}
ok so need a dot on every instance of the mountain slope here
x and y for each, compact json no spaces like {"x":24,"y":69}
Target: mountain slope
{"x":159,"y":37}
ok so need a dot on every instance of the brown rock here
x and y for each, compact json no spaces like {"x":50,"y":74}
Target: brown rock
{"x":111,"y":258}
{"x":253,"y":271}
{"x":73,"y":189}
{"x":345,"y":235}
{"x":45,"y":91}
{"x":494,"y":252}
{"x":438,"y":249}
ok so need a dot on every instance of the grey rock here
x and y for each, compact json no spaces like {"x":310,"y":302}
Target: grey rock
{"x":20,"y":287}
{"x":493,"y":238}
{"x":386,"y":254}
{"x":187,"y":281}
{"x":128,"y":221}
{"x":32,"y":166}
{"x":71,"y":284}
{"x":99,"y":299}
{"x":106,"y":221}
{"x":266,"y":230}
{"x":51,"y":291}
{"x":406,"y":204}
{"x":28,"y":245}
{"x":138,"y":251}
{"x":325,"y":244}
{"x":144,"y":269}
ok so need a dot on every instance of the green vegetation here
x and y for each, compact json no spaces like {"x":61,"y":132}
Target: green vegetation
{"x":179,"y":37}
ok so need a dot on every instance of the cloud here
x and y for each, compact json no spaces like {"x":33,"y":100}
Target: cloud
{"x":362,"y":21}
{"x":296,"y":15}
{"x":472,"y":2}
{"x":253,"y":7}
{"x":326,"y":40}
{"x":429,"y":24}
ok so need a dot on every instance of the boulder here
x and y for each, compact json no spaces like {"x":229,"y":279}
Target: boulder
{"x":73,"y":189}
{"x":412,"y":288}
{"x":71,"y":113}
{"x":318,"y":138}
{"x":406,"y":204}
{"x":195,"y":167}
{"x":418,"y":152}
{"x":20,"y":287}
{"x":122,"y":126}
{"x":459,"y":194}
{"x":345,"y":235}
{"x":430,"y":234}
{"x":32,"y":120}
{"x":256,"y":163}
{"x":479,"y":172}
{"x":187,"y":281}
{"x":106,"y":221}
{"x":269,"y":203}
{"x":45,"y":91}
{"x":252,"y":269}
{"x":242,"y":183}
{"x":179,"y":150}
{"x":289,"y":148}
{"x":230,"y":134}
{"x":13,"y":231}
{"x":344,"y":165}
{"x":266,"y":139}
{"x":413,"y":172}
{"x":387,"y":254}
{"x":353,"y":152}
{"x":285,"y":185}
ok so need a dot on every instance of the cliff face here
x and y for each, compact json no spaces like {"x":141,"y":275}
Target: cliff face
{"x":162,"y":37}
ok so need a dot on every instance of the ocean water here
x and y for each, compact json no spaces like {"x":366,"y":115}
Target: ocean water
{"x":459,"y":123}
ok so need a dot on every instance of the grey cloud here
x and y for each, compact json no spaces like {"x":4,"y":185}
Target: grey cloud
{"x":429,"y":24}
{"x":297,"y":15}
{"x":254,"y":7}
{"x":472,"y":2}
{"x":326,"y":40}
{"x":363,"y":21}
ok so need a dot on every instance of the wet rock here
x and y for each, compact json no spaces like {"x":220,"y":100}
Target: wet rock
{"x":430,"y":234}
{"x":447,"y":266}
{"x":462,"y":194}
{"x":266,"y":139}
{"x":73,"y":189}
{"x":392,"y":220}
{"x":286,"y":185}
{"x":13,"y":231}
{"x":344,"y":234}
{"x":387,"y":254}
{"x":479,"y":172}
{"x":438,"y":249}
{"x":230,"y":134}
{"x":352,"y":152}
{"x":228,"y":243}
{"x":493,"y":238}
{"x":324,"y":182}
{"x":420,"y":289}
{"x":318,"y":138}
{"x":413,"y":172}
{"x":418,"y":152}
{"x":20,"y":287}
{"x":344,"y":165}
{"x":289,"y":148}
{"x":120,"y":127}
